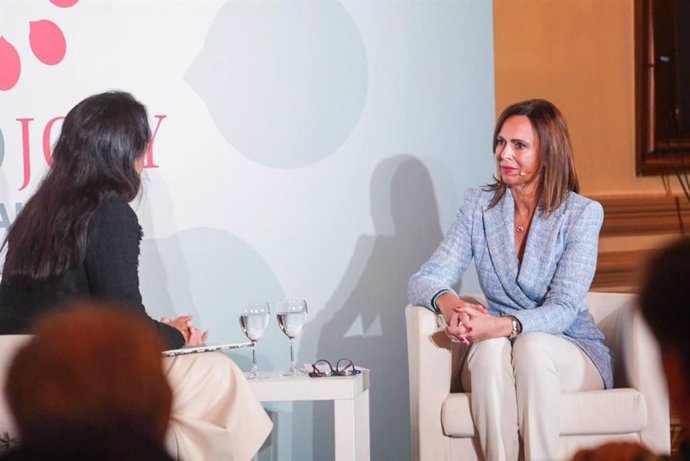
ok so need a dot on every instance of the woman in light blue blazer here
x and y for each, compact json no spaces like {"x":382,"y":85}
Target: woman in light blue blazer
{"x":533,"y":240}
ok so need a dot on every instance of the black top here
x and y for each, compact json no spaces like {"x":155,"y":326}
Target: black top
{"x":90,"y":444}
{"x":109,"y":272}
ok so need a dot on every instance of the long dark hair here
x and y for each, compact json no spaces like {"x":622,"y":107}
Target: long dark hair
{"x":94,"y":158}
{"x":556,"y":160}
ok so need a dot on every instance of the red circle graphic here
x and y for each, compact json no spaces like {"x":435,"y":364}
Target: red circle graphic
{"x":47,"y":42}
{"x":11,"y":66}
{"x":64,"y":3}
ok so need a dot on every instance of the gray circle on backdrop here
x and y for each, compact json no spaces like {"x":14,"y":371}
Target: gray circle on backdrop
{"x":207,"y":273}
{"x":285,"y":82}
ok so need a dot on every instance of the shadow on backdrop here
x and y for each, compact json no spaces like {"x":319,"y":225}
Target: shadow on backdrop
{"x":364,"y":318}
{"x":210,"y":273}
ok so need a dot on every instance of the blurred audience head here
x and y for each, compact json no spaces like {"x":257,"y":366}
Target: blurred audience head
{"x":665,"y":304}
{"x":90,"y":368}
{"x":616,"y":451}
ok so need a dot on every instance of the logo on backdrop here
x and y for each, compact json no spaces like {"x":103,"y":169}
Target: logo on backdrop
{"x":27,"y":130}
{"x":47,"y":44}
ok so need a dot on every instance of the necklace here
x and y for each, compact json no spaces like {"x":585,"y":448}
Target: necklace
{"x":519,"y":228}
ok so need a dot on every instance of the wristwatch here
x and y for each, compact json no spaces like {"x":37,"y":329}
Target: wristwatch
{"x":517,"y":327}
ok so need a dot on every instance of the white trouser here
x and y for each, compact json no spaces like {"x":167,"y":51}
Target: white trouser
{"x":215,"y":415}
{"x":517,"y":387}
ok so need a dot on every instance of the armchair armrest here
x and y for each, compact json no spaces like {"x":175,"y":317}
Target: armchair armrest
{"x":429,"y":360}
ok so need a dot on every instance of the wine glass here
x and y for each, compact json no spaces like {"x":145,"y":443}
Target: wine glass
{"x":254,"y":319}
{"x":291,"y":315}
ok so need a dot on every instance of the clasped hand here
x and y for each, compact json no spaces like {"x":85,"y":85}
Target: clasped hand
{"x":467,"y":322}
{"x":192,"y":336}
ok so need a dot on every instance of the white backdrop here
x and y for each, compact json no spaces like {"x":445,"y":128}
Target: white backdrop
{"x":305,"y":148}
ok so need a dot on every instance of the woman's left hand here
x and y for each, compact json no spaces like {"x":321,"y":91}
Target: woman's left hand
{"x":196,"y":337}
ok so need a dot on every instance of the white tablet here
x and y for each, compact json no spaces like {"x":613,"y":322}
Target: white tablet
{"x":205,"y":348}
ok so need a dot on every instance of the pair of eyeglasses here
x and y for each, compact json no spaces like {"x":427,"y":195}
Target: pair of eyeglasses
{"x":323,"y":368}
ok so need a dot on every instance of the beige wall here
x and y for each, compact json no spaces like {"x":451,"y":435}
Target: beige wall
{"x":580,"y":55}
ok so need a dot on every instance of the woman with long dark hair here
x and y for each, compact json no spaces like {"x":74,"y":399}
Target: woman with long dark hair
{"x":77,"y":238}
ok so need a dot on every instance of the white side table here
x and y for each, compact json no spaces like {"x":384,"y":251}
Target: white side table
{"x":350,"y":396}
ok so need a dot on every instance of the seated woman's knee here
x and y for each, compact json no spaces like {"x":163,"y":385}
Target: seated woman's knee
{"x":489,"y":355}
{"x":530,"y":352}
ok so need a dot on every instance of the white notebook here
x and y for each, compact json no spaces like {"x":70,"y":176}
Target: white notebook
{"x":205,"y":348}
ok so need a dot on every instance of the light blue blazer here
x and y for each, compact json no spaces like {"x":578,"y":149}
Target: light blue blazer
{"x":547,"y":292}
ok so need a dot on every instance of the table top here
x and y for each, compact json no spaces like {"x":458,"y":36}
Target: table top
{"x":271,"y":386}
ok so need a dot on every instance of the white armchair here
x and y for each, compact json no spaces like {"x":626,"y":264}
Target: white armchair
{"x":636,"y":409}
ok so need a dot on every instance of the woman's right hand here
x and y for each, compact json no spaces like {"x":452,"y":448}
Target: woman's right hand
{"x":181,"y":324}
{"x":192,"y":336}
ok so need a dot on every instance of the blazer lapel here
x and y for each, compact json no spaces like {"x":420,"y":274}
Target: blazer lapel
{"x":499,"y":225}
{"x":500,"y":240}
{"x":532,"y":268}
{"x":539,"y":246}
